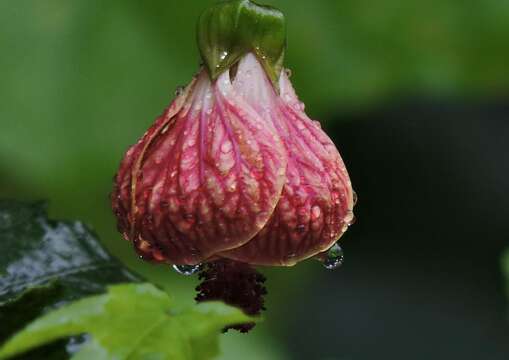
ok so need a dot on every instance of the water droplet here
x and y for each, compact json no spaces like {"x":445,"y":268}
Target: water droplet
{"x":301,"y":228}
{"x":226,"y":147}
{"x":223,"y":55}
{"x":75,"y":343}
{"x":354,"y":198}
{"x":334,"y":258}
{"x":288,"y":73}
{"x":179,"y":90}
{"x":187,"y":270}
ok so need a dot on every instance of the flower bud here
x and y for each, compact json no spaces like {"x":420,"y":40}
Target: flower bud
{"x":234,"y":169}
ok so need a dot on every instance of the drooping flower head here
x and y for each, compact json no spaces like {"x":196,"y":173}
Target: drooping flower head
{"x":234,"y":169}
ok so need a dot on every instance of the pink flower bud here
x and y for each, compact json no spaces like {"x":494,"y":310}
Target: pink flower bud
{"x":233,"y":169}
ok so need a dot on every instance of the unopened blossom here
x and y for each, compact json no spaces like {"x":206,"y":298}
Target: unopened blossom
{"x":234,"y":170}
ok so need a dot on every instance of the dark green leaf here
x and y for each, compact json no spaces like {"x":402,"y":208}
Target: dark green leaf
{"x":132,"y":321}
{"x":45,"y":264}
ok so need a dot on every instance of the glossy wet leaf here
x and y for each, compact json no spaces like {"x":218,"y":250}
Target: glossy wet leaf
{"x":132,"y":321}
{"x":45,"y":264}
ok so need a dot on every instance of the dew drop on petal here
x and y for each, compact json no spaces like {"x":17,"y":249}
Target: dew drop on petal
{"x":334,"y":258}
{"x":187,"y":270}
{"x":354,"y":198}
{"x":226,"y":147}
{"x":315,"y":212}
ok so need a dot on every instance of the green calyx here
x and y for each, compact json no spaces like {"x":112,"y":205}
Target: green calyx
{"x":231,"y":29}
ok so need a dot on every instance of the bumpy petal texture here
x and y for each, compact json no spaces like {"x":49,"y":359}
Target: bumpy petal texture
{"x":204,"y":179}
{"x":316,"y":205}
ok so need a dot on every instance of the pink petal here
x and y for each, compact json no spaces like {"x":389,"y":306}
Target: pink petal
{"x":209,"y":176}
{"x":317,"y":200}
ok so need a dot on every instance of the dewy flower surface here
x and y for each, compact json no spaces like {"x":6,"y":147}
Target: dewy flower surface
{"x":316,"y":204}
{"x":234,"y":169}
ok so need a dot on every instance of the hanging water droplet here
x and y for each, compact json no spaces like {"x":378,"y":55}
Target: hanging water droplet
{"x":179,"y":90}
{"x":187,"y":270}
{"x":334,"y":258}
{"x":288,"y":73}
{"x":354,"y":198}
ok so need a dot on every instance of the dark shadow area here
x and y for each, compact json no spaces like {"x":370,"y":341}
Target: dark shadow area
{"x":422,"y":273}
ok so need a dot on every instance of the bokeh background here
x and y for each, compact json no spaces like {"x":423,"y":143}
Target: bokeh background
{"x":414,"y":93}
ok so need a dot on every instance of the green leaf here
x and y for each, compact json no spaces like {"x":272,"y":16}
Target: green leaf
{"x":45,"y":264}
{"x":132,"y":321}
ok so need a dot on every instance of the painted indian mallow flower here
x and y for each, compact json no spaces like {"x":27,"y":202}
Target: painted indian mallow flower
{"x":234,"y":173}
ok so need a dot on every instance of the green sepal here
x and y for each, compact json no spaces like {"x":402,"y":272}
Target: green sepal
{"x":231,"y":29}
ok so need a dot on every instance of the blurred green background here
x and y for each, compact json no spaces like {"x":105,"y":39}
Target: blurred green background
{"x":415,"y":94}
